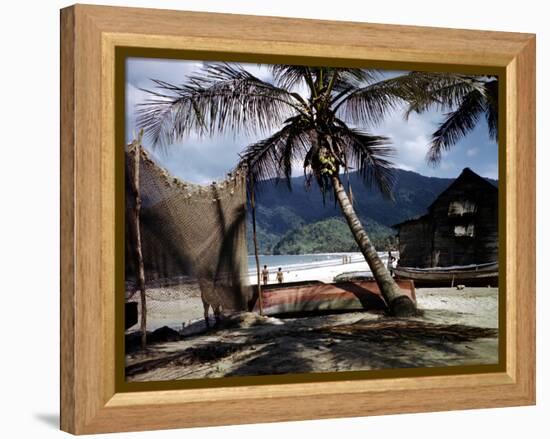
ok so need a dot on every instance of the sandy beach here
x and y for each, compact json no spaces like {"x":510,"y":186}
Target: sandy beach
{"x":177,"y":305}
{"x":323,"y":273}
{"x":456,"y":327}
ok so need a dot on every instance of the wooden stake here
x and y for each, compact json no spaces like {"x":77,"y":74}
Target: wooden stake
{"x":252,"y":204}
{"x":136,"y":145}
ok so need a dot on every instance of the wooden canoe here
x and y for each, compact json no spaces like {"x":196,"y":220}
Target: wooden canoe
{"x":318,"y":297}
{"x":470,"y":275}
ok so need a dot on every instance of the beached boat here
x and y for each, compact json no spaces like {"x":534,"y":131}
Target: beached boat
{"x":470,"y":275}
{"x":318,"y":297}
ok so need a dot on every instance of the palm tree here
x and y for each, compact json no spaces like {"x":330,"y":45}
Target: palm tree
{"x":318,"y":127}
{"x":465,"y":98}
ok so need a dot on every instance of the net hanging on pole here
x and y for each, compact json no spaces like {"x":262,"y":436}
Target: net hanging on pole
{"x":191,"y":233}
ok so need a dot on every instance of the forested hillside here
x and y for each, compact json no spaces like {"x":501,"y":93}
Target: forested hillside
{"x":297,"y":221}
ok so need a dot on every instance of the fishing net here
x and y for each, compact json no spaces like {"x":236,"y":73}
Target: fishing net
{"x":193,"y":240}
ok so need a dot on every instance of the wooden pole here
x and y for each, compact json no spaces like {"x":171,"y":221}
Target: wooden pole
{"x":252,"y":204}
{"x":136,"y":146}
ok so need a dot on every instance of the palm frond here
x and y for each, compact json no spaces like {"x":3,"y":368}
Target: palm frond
{"x":356,"y":78}
{"x":220,"y":97}
{"x":441,"y":91}
{"x":288,"y":76}
{"x":291,"y":76}
{"x":369,"y":154}
{"x":272,"y":157}
{"x":491,"y":108}
{"x":369,"y":105}
{"x":456,"y":125}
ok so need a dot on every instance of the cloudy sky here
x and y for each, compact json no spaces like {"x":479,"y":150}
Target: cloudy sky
{"x":203,"y":160}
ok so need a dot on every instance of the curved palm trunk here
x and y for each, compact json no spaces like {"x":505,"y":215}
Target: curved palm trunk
{"x":399,"y":303}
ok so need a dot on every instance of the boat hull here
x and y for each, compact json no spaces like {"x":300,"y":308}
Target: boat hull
{"x":482,"y":275}
{"x":318,"y":297}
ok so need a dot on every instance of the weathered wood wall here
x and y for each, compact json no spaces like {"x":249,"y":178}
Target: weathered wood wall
{"x":415,"y":239}
{"x":430,"y":241}
{"x":464,"y":250}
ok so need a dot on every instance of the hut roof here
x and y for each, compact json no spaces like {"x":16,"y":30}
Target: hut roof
{"x":466,"y":174}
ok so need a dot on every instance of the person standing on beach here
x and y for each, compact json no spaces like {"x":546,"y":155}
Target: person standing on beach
{"x":390,"y":262}
{"x":265,"y":275}
{"x":280,"y":276}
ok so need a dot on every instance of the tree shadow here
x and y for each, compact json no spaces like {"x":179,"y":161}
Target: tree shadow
{"x":272,"y":360}
{"x":369,"y":299}
{"x":299,"y":346}
{"x":401,"y":343}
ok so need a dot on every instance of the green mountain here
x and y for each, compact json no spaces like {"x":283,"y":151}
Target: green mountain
{"x":297,"y":221}
{"x":330,"y":235}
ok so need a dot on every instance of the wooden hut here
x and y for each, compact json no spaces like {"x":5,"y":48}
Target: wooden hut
{"x":460,"y":227}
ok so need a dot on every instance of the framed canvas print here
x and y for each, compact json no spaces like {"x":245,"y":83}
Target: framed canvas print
{"x":269,"y":219}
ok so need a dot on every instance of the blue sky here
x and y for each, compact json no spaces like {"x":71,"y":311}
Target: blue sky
{"x":203,"y":160}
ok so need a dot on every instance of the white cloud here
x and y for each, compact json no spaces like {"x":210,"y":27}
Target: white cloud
{"x":201,"y":160}
{"x":140,"y":71}
{"x":133,"y":97}
{"x":410,"y":138}
{"x":404,"y":167}
{"x":447,"y":165}
{"x":414,"y":149}
{"x":491,"y":171}
{"x":196,"y":159}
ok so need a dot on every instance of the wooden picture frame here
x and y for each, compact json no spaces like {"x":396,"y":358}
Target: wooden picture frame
{"x":90,"y":36}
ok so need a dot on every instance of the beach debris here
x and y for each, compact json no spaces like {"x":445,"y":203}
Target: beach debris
{"x":248,"y":320}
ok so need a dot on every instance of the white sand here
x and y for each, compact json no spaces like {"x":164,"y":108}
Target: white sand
{"x":323,"y":274}
{"x":181,"y":304}
{"x":339,"y":342}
